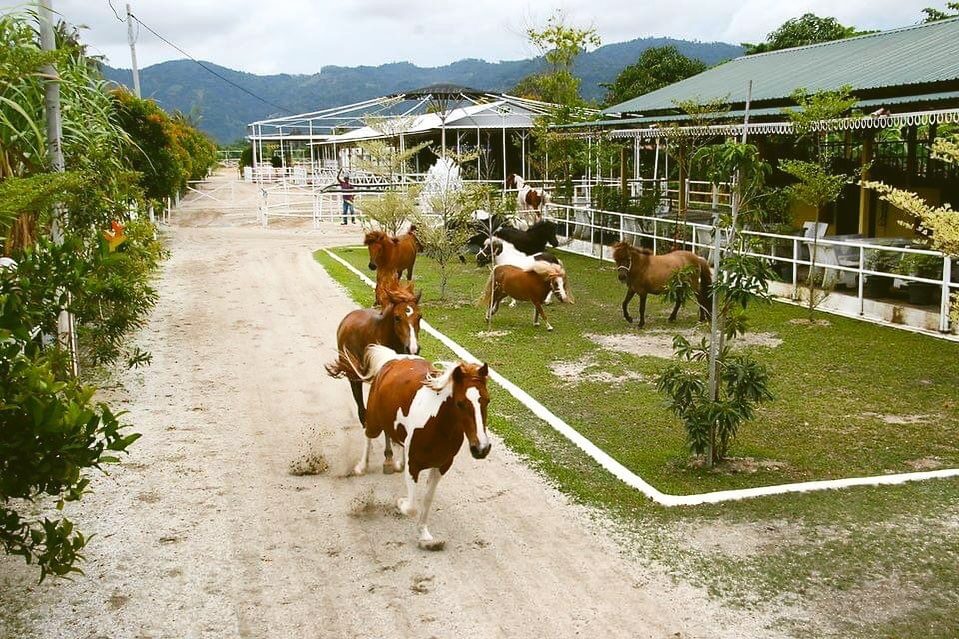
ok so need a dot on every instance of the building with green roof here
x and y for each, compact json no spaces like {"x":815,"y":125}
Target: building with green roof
{"x":906,"y":82}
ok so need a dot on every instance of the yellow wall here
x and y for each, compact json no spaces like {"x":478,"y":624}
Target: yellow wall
{"x":898,"y":223}
{"x":803,"y":213}
{"x":887,"y":216}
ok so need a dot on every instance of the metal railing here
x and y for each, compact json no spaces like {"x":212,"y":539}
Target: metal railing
{"x":590,"y":231}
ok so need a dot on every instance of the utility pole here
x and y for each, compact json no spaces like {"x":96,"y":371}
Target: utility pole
{"x":133,"y":52}
{"x":51,"y":101}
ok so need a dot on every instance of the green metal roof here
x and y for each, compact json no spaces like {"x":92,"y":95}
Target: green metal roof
{"x":917,"y":55}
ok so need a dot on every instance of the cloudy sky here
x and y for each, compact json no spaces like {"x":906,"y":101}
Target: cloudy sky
{"x":300,"y":36}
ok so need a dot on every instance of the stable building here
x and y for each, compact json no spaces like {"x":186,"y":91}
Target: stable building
{"x":905,"y":81}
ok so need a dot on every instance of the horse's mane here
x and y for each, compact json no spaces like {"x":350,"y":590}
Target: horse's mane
{"x":541,"y":224}
{"x":372,"y":237}
{"x":400,"y":295}
{"x":547,"y":269}
{"x":621,"y":249}
{"x":441,"y":376}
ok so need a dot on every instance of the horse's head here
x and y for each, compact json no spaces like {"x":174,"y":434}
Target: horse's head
{"x":554,"y":275}
{"x":627,"y":257}
{"x":511,"y":181}
{"x":559,"y":284}
{"x":403,"y":305}
{"x":375,"y":242}
{"x":488,"y":253}
{"x":470,"y":400}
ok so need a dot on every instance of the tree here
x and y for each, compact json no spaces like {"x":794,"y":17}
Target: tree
{"x":720,"y":391}
{"x":815,"y":184}
{"x":657,"y":67}
{"x":797,"y":32}
{"x":935,"y":15}
{"x":560,"y":44}
{"x":552,"y":151}
{"x":383,"y":157}
{"x":445,"y":224}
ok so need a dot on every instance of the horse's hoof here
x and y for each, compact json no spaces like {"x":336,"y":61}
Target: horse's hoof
{"x":359,"y":470}
{"x":672,"y":319}
{"x":433,"y":545}
{"x":549,"y":328}
{"x":402,"y":505}
{"x":388,"y":467}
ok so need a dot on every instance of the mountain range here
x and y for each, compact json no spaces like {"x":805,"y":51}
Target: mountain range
{"x":225,"y":110}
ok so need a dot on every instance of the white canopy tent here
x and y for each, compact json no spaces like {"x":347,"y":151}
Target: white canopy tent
{"x":424,"y":113}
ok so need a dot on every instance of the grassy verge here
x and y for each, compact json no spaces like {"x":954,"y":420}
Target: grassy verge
{"x":859,"y":562}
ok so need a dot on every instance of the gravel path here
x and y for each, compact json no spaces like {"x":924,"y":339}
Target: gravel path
{"x":203,"y":532}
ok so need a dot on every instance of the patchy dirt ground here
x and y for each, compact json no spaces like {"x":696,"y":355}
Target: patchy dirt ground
{"x":659,"y":343}
{"x":204,"y":532}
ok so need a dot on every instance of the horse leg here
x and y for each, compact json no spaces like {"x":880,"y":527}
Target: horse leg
{"x":357,"y":388}
{"x":672,"y":316}
{"x":642,"y":309}
{"x":361,"y":465}
{"x":426,"y":540}
{"x":407,"y":505}
{"x":540,"y":311}
{"x":388,"y":465}
{"x":629,"y":297}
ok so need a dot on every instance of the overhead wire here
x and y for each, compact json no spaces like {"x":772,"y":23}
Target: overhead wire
{"x":198,"y":62}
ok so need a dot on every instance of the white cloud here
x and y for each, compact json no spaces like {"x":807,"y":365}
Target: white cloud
{"x":300,"y":36}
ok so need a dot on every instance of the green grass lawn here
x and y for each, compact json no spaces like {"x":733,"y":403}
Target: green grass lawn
{"x":861,"y":562}
{"x":837,"y":387}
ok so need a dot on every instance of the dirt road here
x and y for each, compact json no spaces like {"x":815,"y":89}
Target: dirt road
{"x":203,"y":531}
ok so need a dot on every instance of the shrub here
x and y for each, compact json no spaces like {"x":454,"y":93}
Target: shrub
{"x":51,"y":432}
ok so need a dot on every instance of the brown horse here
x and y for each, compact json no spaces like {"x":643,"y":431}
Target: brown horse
{"x":428,"y":411}
{"x":386,"y":281}
{"x":533,"y":285}
{"x":389,"y":253}
{"x":645,"y":273}
{"x":396,"y":325}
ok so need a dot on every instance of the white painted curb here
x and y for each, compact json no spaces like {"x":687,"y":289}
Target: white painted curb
{"x":635,"y":481}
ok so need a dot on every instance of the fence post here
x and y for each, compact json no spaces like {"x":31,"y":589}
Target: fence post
{"x":795,"y":268}
{"x":655,"y":234}
{"x":592,"y":232}
{"x":861,"y":277}
{"x":266,"y":213}
{"x":316,"y":211}
{"x":944,"y":308}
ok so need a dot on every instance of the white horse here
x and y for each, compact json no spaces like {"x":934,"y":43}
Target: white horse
{"x":528,"y":199}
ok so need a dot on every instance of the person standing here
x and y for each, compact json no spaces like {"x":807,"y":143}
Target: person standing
{"x":346,"y":187}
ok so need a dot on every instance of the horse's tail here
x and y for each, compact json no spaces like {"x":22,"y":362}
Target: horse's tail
{"x":416,"y":240}
{"x":344,"y":366}
{"x":705,"y":287}
{"x":377,"y":356}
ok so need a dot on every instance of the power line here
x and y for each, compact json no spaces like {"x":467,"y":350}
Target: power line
{"x":208,"y":69}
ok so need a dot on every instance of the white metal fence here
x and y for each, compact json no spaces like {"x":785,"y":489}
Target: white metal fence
{"x":590,"y":232}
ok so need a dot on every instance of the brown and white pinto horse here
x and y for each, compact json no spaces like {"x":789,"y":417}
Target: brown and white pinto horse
{"x":533,"y":285}
{"x":393,"y":253}
{"x":396,"y":325}
{"x":527,"y":198}
{"x":428,"y":410}
{"x":645,"y":273}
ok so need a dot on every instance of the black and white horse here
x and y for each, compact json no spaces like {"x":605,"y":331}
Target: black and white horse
{"x":533,"y":240}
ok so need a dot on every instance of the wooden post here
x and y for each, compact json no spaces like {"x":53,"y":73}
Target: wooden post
{"x":623,"y":182}
{"x":869,"y":136}
{"x":911,"y":163}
